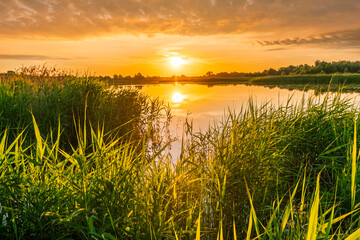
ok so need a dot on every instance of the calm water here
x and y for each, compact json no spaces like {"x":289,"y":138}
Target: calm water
{"x":205,"y":105}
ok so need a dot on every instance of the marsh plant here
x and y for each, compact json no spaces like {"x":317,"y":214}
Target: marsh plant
{"x":288,"y":172}
{"x":58,"y":99}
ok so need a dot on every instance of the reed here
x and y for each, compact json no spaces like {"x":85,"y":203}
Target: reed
{"x":56,"y":101}
{"x":288,"y":172}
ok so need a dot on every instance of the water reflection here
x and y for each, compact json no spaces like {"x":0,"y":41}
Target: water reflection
{"x":177,"y":97}
{"x":208,"y":105}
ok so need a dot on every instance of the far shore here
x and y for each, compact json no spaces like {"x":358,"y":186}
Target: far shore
{"x":332,"y":82}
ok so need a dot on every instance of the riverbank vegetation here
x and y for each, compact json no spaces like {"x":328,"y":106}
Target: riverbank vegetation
{"x":318,"y":76}
{"x":319,"y":83}
{"x":266,"y":172}
{"x":308,"y":79}
{"x":60,"y":101}
{"x":318,"y":68}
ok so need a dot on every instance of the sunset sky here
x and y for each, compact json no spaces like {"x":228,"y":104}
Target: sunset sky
{"x":130,"y":36}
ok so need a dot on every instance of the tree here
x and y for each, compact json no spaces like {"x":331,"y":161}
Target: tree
{"x":209,"y":74}
{"x":271,"y":72}
{"x":138,"y":76}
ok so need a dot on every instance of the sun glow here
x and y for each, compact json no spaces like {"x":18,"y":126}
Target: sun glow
{"x":177,"y":97}
{"x":177,"y":61}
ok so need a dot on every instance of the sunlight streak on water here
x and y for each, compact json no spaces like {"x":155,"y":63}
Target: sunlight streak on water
{"x":178,"y":97}
{"x":205,"y":105}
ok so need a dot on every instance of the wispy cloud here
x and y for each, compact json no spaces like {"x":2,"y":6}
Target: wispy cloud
{"x":350,"y":38}
{"x":84,"y":18}
{"x":275,"y":49}
{"x":30,"y":57}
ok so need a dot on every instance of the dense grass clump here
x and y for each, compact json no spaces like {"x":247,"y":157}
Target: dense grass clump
{"x":265,"y":149}
{"x":63,"y":100}
{"x":288,"y":172}
{"x":49,"y":193}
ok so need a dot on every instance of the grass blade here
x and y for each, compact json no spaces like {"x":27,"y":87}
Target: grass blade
{"x":314,"y":212}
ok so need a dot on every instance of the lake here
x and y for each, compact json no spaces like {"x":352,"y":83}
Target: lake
{"x":204,"y":105}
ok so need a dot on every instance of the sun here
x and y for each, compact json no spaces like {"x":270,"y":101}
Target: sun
{"x":177,"y":97}
{"x":177,"y":61}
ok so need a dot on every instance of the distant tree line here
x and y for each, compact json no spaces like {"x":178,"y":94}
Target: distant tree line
{"x":320,"y":67}
{"x":137,"y":76}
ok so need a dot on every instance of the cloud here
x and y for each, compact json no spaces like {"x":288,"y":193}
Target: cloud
{"x":349,"y":38}
{"x":70,"y":19}
{"x":276,"y":49}
{"x":30,"y":57}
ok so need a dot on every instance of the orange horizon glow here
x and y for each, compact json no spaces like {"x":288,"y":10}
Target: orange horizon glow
{"x":155,"y":58}
{"x":166,"y":38}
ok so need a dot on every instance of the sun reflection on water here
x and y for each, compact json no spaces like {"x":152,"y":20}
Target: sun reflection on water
{"x":177,"y":97}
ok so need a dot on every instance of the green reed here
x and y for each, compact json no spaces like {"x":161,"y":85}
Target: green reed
{"x":57,"y":101}
{"x":287,"y":172}
{"x":267,"y":148}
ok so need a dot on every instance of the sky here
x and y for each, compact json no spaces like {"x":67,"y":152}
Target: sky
{"x":106,"y":37}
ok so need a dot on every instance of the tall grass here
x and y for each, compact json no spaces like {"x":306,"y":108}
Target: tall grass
{"x":267,"y":148}
{"x":62,"y":100}
{"x":287,"y":172}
